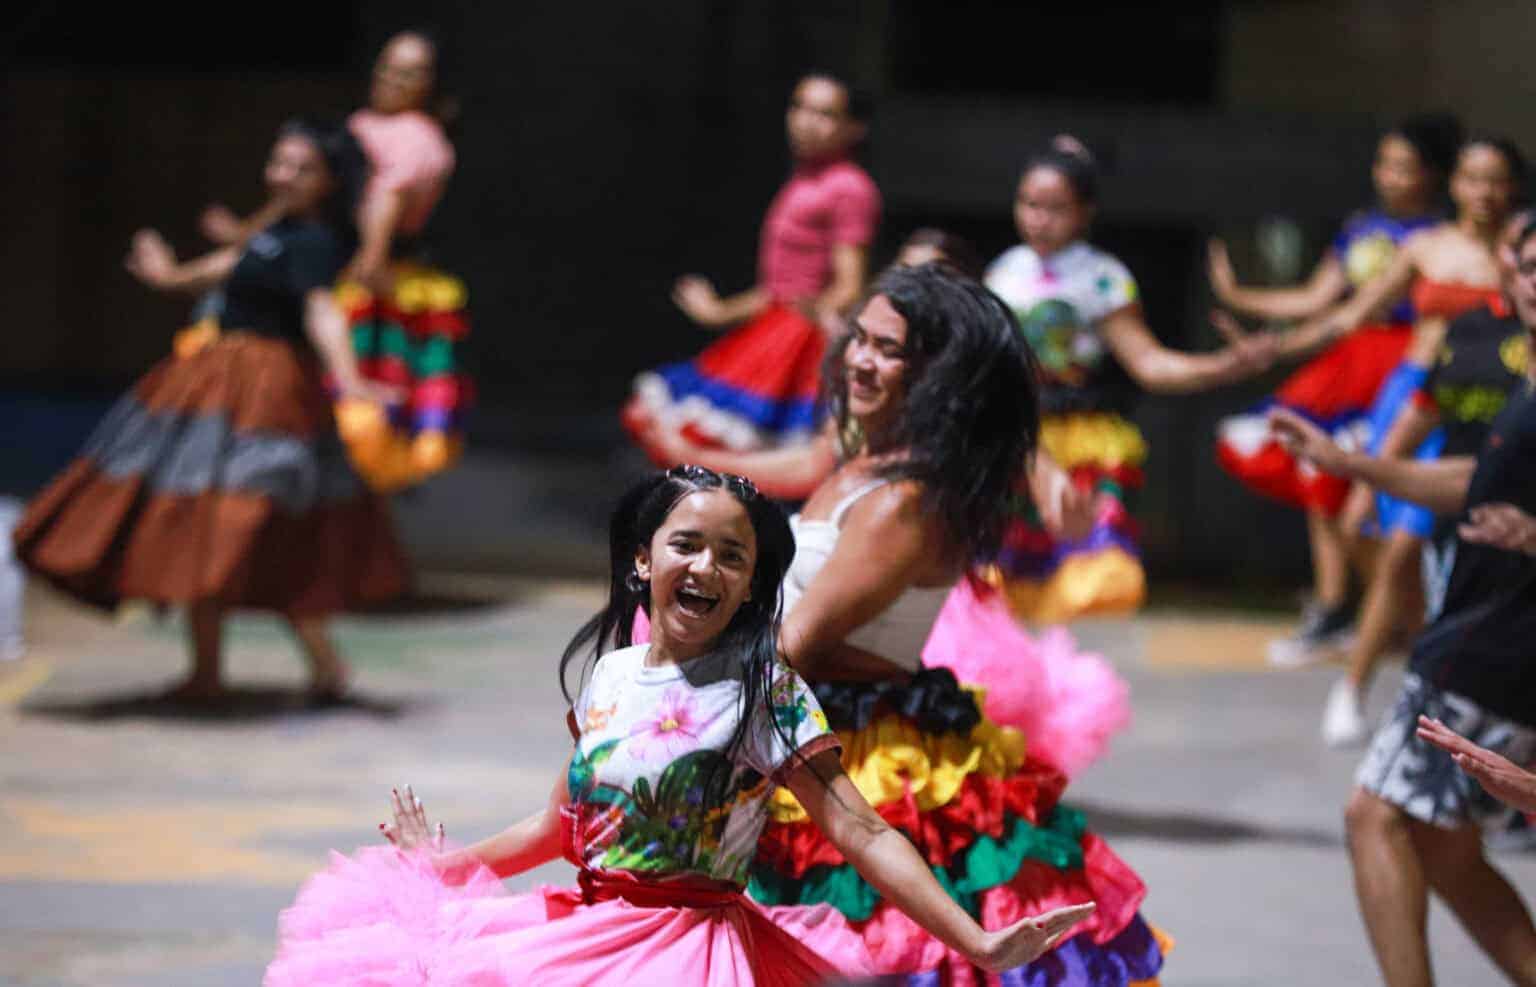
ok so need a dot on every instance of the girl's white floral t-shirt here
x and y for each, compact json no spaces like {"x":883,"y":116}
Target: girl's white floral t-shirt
{"x":652,"y":786}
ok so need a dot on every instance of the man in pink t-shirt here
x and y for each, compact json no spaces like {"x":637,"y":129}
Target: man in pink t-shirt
{"x":815,"y":240}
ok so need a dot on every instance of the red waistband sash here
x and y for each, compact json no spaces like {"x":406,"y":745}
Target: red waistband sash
{"x":670,"y":892}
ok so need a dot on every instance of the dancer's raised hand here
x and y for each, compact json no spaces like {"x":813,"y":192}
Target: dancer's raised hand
{"x":220,"y":225}
{"x":1305,"y":440}
{"x":1024,"y":941}
{"x":150,"y":258}
{"x":409,"y":829}
{"x":1502,"y":778}
{"x":698,"y":299}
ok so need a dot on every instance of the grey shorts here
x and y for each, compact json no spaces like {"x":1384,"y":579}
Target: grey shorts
{"x":1422,"y":780}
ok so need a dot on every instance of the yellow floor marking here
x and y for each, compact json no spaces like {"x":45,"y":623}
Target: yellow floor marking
{"x":198,"y":843}
{"x":1214,"y":644}
{"x":19,"y":679}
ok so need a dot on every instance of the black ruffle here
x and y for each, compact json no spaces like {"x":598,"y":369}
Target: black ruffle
{"x":932,"y":698}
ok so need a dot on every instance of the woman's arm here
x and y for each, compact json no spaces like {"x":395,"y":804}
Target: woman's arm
{"x":786,"y":473}
{"x":1408,"y":430}
{"x":223,"y":226}
{"x":699,"y":300}
{"x":152,"y":261}
{"x":850,"y":264}
{"x":1326,"y":286}
{"x":887,"y":541}
{"x":1438,"y":484}
{"x":889,"y":862}
{"x":1167,"y":371}
{"x":1376,"y":295}
{"x":377,"y":223}
{"x":326,"y":326}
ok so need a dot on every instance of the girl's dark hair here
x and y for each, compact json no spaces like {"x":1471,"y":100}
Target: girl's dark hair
{"x":971,"y":416}
{"x":347,"y":163}
{"x":957,"y":250}
{"x":1509,"y":151}
{"x":753,"y":632}
{"x":1434,"y":137}
{"x":1072,"y":159}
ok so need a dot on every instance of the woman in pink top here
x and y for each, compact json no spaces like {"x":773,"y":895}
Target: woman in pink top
{"x":757,"y":387}
{"x":406,"y":316}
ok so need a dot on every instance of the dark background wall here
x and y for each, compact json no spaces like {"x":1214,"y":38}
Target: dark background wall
{"x":607,"y":147}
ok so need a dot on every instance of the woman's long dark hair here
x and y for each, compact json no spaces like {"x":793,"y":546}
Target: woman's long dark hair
{"x":971,"y":414}
{"x":752,"y":634}
{"x":348,"y":165}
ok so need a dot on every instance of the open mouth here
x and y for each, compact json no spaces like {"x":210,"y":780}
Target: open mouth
{"x":696,"y":603}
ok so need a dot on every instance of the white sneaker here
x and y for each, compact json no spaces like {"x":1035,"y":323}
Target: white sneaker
{"x":1344,"y":716}
{"x":1322,"y":631}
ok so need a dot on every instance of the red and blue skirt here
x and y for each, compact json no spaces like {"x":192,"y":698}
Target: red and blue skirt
{"x":755,"y":388}
{"x":1335,"y":391}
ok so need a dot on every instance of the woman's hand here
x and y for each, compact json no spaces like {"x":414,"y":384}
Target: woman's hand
{"x":699,"y":300}
{"x":1218,"y":267}
{"x":1500,"y":777}
{"x":1066,"y":511}
{"x":372,"y":391}
{"x":410,"y":830}
{"x":220,"y":225}
{"x":1305,"y":440}
{"x":667,"y":445}
{"x":151,"y":259}
{"x":1026,"y":940}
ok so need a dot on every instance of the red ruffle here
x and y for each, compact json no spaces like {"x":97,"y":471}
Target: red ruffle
{"x":939,"y":834}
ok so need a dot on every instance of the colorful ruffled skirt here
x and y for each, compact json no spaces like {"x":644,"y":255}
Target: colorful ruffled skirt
{"x":219,"y":476}
{"x":988,"y":821}
{"x":1047,"y":581}
{"x":408,"y":340}
{"x":755,"y":388}
{"x":1335,"y":391}
{"x":382,"y":918}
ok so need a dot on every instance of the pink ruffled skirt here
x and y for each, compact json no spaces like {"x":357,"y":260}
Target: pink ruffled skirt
{"x":382,"y":918}
{"x":1067,"y":703}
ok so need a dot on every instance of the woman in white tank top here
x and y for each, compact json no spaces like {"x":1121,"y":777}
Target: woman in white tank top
{"x":935,"y":379}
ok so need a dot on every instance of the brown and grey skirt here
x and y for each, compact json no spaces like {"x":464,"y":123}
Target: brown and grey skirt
{"x":219,"y":476}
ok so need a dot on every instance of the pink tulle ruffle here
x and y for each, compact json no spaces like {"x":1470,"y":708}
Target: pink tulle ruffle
{"x":386,"y":919}
{"x":1067,"y":703}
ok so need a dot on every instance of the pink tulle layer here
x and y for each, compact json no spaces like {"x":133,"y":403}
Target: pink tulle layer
{"x":1069,"y":704}
{"x":381,"y":918}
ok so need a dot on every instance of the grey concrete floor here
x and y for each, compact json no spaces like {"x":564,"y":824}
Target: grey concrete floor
{"x":142,"y":846}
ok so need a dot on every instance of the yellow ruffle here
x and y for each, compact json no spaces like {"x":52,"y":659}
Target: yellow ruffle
{"x":891,"y":756}
{"x":388,"y":460}
{"x":195,"y":338}
{"x":1092,"y":438}
{"x":417,"y":288}
{"x":1107,"y":581}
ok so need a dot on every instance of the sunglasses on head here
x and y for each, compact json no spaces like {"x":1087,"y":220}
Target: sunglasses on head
{"x":739,"y":485}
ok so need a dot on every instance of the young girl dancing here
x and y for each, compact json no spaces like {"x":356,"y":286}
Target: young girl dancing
{"x":1079,"y":309}
{"x":757,"y":387}
{"x":680,"y":746}
{"x":1447,"y":270}
{"x":406,"y":316}
{"x":937,"y":385}
{"x":219,"y":481}
{"x":1336,"y":388}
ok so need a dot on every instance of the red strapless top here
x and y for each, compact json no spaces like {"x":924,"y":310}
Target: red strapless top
{"x":1449,"y":299}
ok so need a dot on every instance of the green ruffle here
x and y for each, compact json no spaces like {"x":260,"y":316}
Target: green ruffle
{"x":429,"y":357}
{"x":987,"y":863}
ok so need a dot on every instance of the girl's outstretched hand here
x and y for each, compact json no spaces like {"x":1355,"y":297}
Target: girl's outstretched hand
{"x":410,"y":830}
{"x":1025,"y":940}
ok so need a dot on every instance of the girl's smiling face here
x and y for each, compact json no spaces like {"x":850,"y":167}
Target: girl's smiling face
{"x":699,"y":565}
